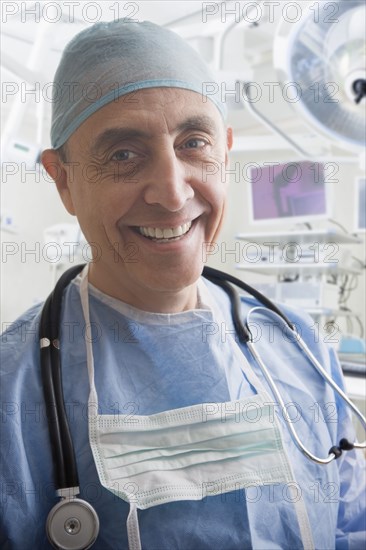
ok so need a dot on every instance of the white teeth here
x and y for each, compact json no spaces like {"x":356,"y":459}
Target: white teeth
{"x":158,"y":233}
{"x":178,"y":231}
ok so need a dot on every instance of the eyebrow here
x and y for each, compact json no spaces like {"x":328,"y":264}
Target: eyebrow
{"x":199,"y":122}
{"x":113,"y":135}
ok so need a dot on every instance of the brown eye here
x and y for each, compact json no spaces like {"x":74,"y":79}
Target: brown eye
{"x":124,"y":155}
{"x":195,"y":143}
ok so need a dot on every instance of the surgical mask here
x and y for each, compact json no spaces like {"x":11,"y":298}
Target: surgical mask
{"x":187,"y":453}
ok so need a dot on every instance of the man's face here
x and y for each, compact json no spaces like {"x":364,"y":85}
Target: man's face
{"x":146,"y":180}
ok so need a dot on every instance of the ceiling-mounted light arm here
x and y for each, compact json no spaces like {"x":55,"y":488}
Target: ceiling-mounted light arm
{"x":220,"y":39}
{"x":267,"y":122}
{"x":303,"y":153}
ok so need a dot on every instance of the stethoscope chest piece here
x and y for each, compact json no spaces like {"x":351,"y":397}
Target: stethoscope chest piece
{"x":72,"y":524}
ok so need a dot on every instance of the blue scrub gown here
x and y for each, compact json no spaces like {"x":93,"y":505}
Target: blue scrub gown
{"x":146,"y":363}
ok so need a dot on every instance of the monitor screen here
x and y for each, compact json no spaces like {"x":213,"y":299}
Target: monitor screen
{"x":295,"y":190}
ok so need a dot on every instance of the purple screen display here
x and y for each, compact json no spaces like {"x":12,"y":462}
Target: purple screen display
{"x":288,"y":190}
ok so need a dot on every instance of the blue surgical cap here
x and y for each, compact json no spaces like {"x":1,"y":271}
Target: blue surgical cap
{"x":109,"y":60}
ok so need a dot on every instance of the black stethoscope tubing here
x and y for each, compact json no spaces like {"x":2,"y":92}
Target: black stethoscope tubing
{"x":66,"y":475}
{"x":61,"y":440}
{"x":223,"y":280}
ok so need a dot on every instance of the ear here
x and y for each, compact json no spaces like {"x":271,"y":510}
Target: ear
{"x":56,"y":169}
{"x":229,"y":143}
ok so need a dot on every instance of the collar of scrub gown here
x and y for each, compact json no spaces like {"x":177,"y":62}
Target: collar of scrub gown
{"x":184,"y":358}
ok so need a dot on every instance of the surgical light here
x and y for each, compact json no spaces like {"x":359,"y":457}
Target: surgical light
{"x":324,"y":55}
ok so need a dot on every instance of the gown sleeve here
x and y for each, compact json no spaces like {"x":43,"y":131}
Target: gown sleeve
{"x":351,"y":525}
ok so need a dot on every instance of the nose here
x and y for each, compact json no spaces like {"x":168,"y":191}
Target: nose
{"x":169,"y":183}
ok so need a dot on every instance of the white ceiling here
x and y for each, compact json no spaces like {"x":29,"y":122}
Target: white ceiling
{"x":33,"y":38}
{"x":53,"y":24}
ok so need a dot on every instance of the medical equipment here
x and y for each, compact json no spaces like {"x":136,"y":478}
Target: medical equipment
{"x":76,"y":517}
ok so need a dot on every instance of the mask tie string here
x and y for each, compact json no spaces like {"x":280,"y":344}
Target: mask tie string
{"x":133,"y":531}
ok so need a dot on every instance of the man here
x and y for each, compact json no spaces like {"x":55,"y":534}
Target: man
{"x":178,"y":444}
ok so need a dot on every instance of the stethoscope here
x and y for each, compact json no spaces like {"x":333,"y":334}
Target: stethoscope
{"x":73,"y":524}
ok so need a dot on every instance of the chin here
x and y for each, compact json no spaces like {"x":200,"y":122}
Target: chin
{"x":174,"y":279}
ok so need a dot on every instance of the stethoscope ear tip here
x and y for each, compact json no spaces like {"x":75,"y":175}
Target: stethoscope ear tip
{"x":344,"y":445}
{"x":336,"y":451}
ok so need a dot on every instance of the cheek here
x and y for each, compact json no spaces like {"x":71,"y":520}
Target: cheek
{"x":215,"y":193}
{"x":92,"y":196}
{"x":89,"y":209}
{"x":220,"y":222}
{"x":216,"y":197}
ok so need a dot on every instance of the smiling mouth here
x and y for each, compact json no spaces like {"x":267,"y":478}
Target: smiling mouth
{"x":166,"y":235}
